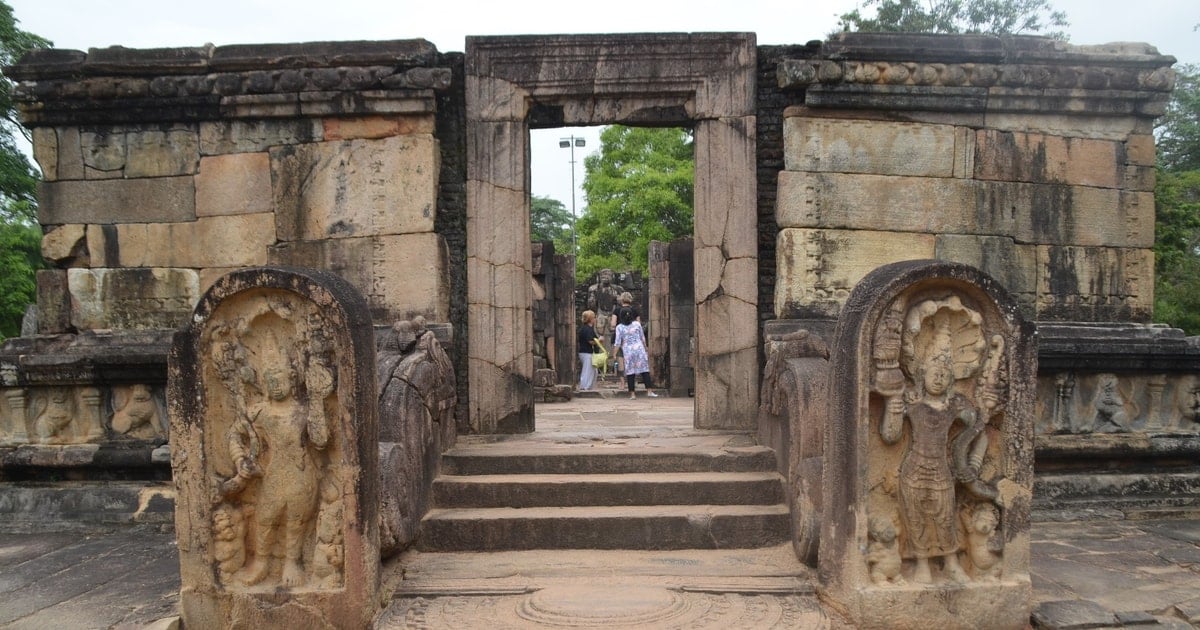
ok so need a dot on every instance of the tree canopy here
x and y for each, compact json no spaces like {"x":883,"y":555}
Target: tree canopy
{"x":20,"y":238}
{"x":549,"y":220}
{"x":957,"y":16}
{"x":639,"y":189}
{"x":1177,"y":207}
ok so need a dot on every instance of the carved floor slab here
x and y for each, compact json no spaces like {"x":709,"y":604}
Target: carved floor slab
{"x":609,"y":605}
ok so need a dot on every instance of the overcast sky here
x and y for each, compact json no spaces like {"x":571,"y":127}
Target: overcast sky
{"x":83,"y":24}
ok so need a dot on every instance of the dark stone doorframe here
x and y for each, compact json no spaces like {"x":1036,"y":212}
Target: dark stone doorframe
{"x":706,"y":81}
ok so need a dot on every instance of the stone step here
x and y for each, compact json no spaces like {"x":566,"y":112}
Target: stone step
{"x":491,"y":460}
{"x":654,"y":527}
{"x":525,"y":491}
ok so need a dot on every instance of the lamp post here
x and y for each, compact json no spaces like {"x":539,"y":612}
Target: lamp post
{"x":564,"y":143}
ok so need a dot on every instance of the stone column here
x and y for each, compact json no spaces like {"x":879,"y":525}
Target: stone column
{"x":658,"y":318}
{"x":93,"y":414}
{"x":17,"y":432}
{"x":566,"y":359}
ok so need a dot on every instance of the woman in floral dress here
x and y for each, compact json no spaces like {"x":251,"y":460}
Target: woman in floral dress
{"x":631,"y":339}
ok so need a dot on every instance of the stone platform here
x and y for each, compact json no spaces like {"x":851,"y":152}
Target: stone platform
{"x":1086,"y":574}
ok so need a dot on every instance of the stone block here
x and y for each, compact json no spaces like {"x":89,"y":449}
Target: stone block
{"x":355,"y":188}
{"x":1050,"y":214}
{"x":53,"y":302}
{"x":161,"y":153}
{"x":867,"y":146}
{"x":237,"y":183}
{"x":252,"y":136}
{"x":131,"y":298}
{"x":340,"y":128}
{"x":384,"y":269}
{"x":1047,"y":159}
{"x":104,"y":153}
{"x":1095,"y":284}
{"x":223,"y":241}
{"x":64,"y":243}
{"x":1139,"y":150}
{"x":1015,"y":266}
{"x":816,"y":269}
{"x":164,"y":199}
{"x":45,"y":151}
{"x":275,"y":453}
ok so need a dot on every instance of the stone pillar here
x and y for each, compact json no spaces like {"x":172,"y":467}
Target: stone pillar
{"x":275,"y":453}
{"x":658,"y":318}
{"x":682,"y":324}
{"x":17,"y":431}
{"x":93,"y":415}
{"x":928,"y":452}
{"x":566,"y":359}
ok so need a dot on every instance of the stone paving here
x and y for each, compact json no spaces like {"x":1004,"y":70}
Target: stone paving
{"x":1086,"y":574}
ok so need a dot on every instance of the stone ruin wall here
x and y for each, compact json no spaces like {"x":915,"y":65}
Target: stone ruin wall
{"x":166,"y":168}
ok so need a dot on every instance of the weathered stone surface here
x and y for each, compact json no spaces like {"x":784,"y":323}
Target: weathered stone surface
{"x":384,"y":269}
{"x":355,"y":188}
{"x":157,"y":153}
{"x":417,"y":397}
{"x":877,"y":147}
{"x":1015,"y":266}
{"x":816,"y":269}
{"x":45,"y":151}
{"x":1072,"y":615}
{"x":926,"y":526}
{"x":1048,"y":214}
{"x":221,"y":241}
{"x":117,"y":201}
{"x":63,"y":244}
{"x":1139,"y":149}
{"x":131,"y":298}
{"x":1095,"y":284}
{"x":274,"y":428}
{"x":53,"y":301}
{"x":248,"y":136}
{"x":238,"y":183}
{"x":1041,"y":158}
{"x":342,"y":128}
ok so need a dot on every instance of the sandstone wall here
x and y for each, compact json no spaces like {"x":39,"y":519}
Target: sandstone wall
{"x":166,"y":168}
{"x":1030,"y":159}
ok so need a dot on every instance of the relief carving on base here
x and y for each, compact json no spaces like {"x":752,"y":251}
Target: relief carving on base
{"x":934,"y":507}
{"x":136,"y":413}
{"x":1118,"y":403}
{"x":277,"y":518}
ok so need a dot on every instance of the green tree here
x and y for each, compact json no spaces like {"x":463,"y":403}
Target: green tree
{"x":549,"y":220}
{"x":20,"y":238}
{"x":1177,"y":207}
{"x":1179,"y":128}
{"x":639,"y":189}
{"x":957,"y":16}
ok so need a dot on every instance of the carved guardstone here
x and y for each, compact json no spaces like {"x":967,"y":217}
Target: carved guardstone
{"x":928,"y":452}
{"x":274,"y":426}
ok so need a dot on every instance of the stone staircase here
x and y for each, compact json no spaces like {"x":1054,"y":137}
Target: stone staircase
{"x":589,"y":496}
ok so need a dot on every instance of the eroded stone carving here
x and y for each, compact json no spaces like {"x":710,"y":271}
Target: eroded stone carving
{"x":136,"y":414}
{"x":274,"y":435}
{"x":1118,"y":403}
{"x":928,"y":452}
{"x":276,"y":442}
{"x":602,"y":298}
{"x":942,"y":344}
{"x":54,"y":410}
{"x":417,"y":401}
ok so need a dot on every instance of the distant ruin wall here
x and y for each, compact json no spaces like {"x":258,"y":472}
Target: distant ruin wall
{"x":1028,"y":158}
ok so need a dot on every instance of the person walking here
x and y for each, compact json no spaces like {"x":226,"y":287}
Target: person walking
{"x":631,"y":339}
{"x":586,"y":341}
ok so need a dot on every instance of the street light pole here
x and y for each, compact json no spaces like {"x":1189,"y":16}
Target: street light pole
{"x":572,"y":142}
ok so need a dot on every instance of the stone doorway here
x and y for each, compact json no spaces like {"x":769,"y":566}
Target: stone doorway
{"x":703,"y":81}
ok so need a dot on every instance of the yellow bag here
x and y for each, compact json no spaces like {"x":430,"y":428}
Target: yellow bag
{"x":599,"y":358}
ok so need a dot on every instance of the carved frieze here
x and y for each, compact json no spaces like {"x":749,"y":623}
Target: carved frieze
{"x":77,"y":414}
{"x":1072,"y":402}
